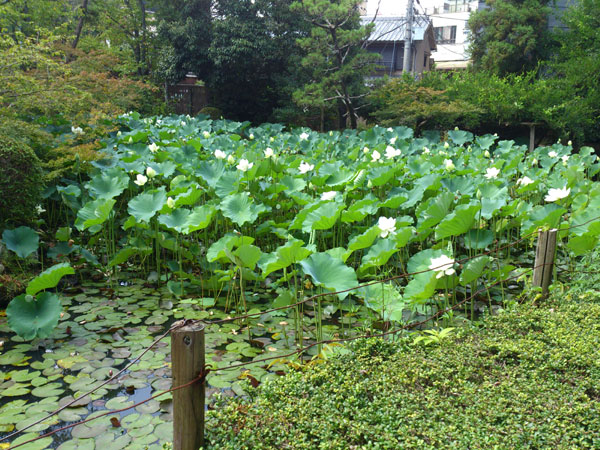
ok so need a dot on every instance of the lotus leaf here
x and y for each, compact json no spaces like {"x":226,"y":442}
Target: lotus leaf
{"x":23,"y":241}
{"x":31,"y":318}
{"x":330,"y":273}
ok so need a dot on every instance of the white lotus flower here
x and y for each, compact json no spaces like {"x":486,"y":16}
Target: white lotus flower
{"x":206,"y":134}
{"x":244,"y":165}
{"x":426,"y":151}
{"x":220,"y":154}
{"x":391,"y":152}
{"x":390,"y":129}
{"x":366,"y":150}
{"x":230,"y":159}
{"x":492,"y":172}
{"x":153,"y":147}
{"x":170,"y":202}
{"x":449,"y":165}
{"x":305,"y":167}
{"x":150,"y":172}
{"x":387,"y":226}
{"x":565,"y":159}
{"x":442,"y":265}
{"x":183,"y":124}
{"x":393,"y":140}
{"x":330,"y":195}
{"x":304,"y":136}
{"x":557,"y":194}
{"x":269,"y":152}
{"x":375,"y":156}
{"x":525,"y":181}
{"x":77,"y":130}
{"x":552,"y":154}
{"x":140,"y":180}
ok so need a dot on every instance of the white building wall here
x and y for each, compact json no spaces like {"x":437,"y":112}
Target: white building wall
{"x":435,"y":9}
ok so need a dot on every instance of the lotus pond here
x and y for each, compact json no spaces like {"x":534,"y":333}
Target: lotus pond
{"x":201,"y":219}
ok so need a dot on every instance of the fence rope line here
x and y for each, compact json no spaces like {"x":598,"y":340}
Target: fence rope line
{"x":200,"y":377}
{"x":182,"y":323}
{"x":495,"y":250}
{"x":207,"y":369}
{"x":387,"y":333}
{"x":104,"y":383}
{"x":370,"y":283}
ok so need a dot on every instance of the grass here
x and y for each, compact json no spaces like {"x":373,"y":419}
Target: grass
{"x":528,"y":378}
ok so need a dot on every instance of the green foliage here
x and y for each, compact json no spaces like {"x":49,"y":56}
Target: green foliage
{"x":481,"y":101}
{"x":576,"y":72}
{"x":184,"y":36}
{"x":526,"y":379}
{"x":254,"y":57}
{"x":510,"y":36}
{"x":333,"y":55}
{"x":405,"y":101}
{"x":21,"y":183}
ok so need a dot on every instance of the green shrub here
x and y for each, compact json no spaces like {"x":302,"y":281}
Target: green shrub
{"x":527,"y":379}
{"x":21,"y":184}
{"x":212,"y":112}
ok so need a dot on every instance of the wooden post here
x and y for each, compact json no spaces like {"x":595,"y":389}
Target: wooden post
{"x":187,"y":359}
{"x":544,"y":260}
{"x":531,"y":137}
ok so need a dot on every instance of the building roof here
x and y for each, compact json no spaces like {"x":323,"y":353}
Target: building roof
{"x":393,"y":29}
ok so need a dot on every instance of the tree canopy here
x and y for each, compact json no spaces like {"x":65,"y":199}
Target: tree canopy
{"x":510,"y":36}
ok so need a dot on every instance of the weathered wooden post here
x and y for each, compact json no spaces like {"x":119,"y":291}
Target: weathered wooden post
{"x":544,"y":260}
{"x":187,"y":360}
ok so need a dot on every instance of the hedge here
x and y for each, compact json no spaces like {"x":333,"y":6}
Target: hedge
{"x":528,"y":378}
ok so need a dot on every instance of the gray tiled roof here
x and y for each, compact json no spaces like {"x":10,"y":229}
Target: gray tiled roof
{"x":393,"y":29}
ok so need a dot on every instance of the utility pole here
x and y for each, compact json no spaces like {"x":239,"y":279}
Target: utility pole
{"x":407,"y":66}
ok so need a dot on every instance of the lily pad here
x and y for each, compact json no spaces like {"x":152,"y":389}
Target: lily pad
{"x":48,"y":390}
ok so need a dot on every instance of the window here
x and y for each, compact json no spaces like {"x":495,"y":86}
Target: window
{"x":445,"y":35}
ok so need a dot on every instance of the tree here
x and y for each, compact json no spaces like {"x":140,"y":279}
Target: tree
{"x":334,"y":55}
{"x":184,"y":34}
{"x":511,"y":36}
{"x":576,"y":72}
{"x":254,"y":56}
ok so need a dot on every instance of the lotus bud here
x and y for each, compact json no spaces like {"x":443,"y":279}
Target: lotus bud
{"x":206,"y":134}
{"x":170,"y":202}
{"x":230,"y":159}
{"x":150,"y":172}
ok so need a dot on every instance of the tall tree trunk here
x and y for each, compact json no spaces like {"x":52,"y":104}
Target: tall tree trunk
{"x":143,"y":46}
{"x":79,"y":29}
